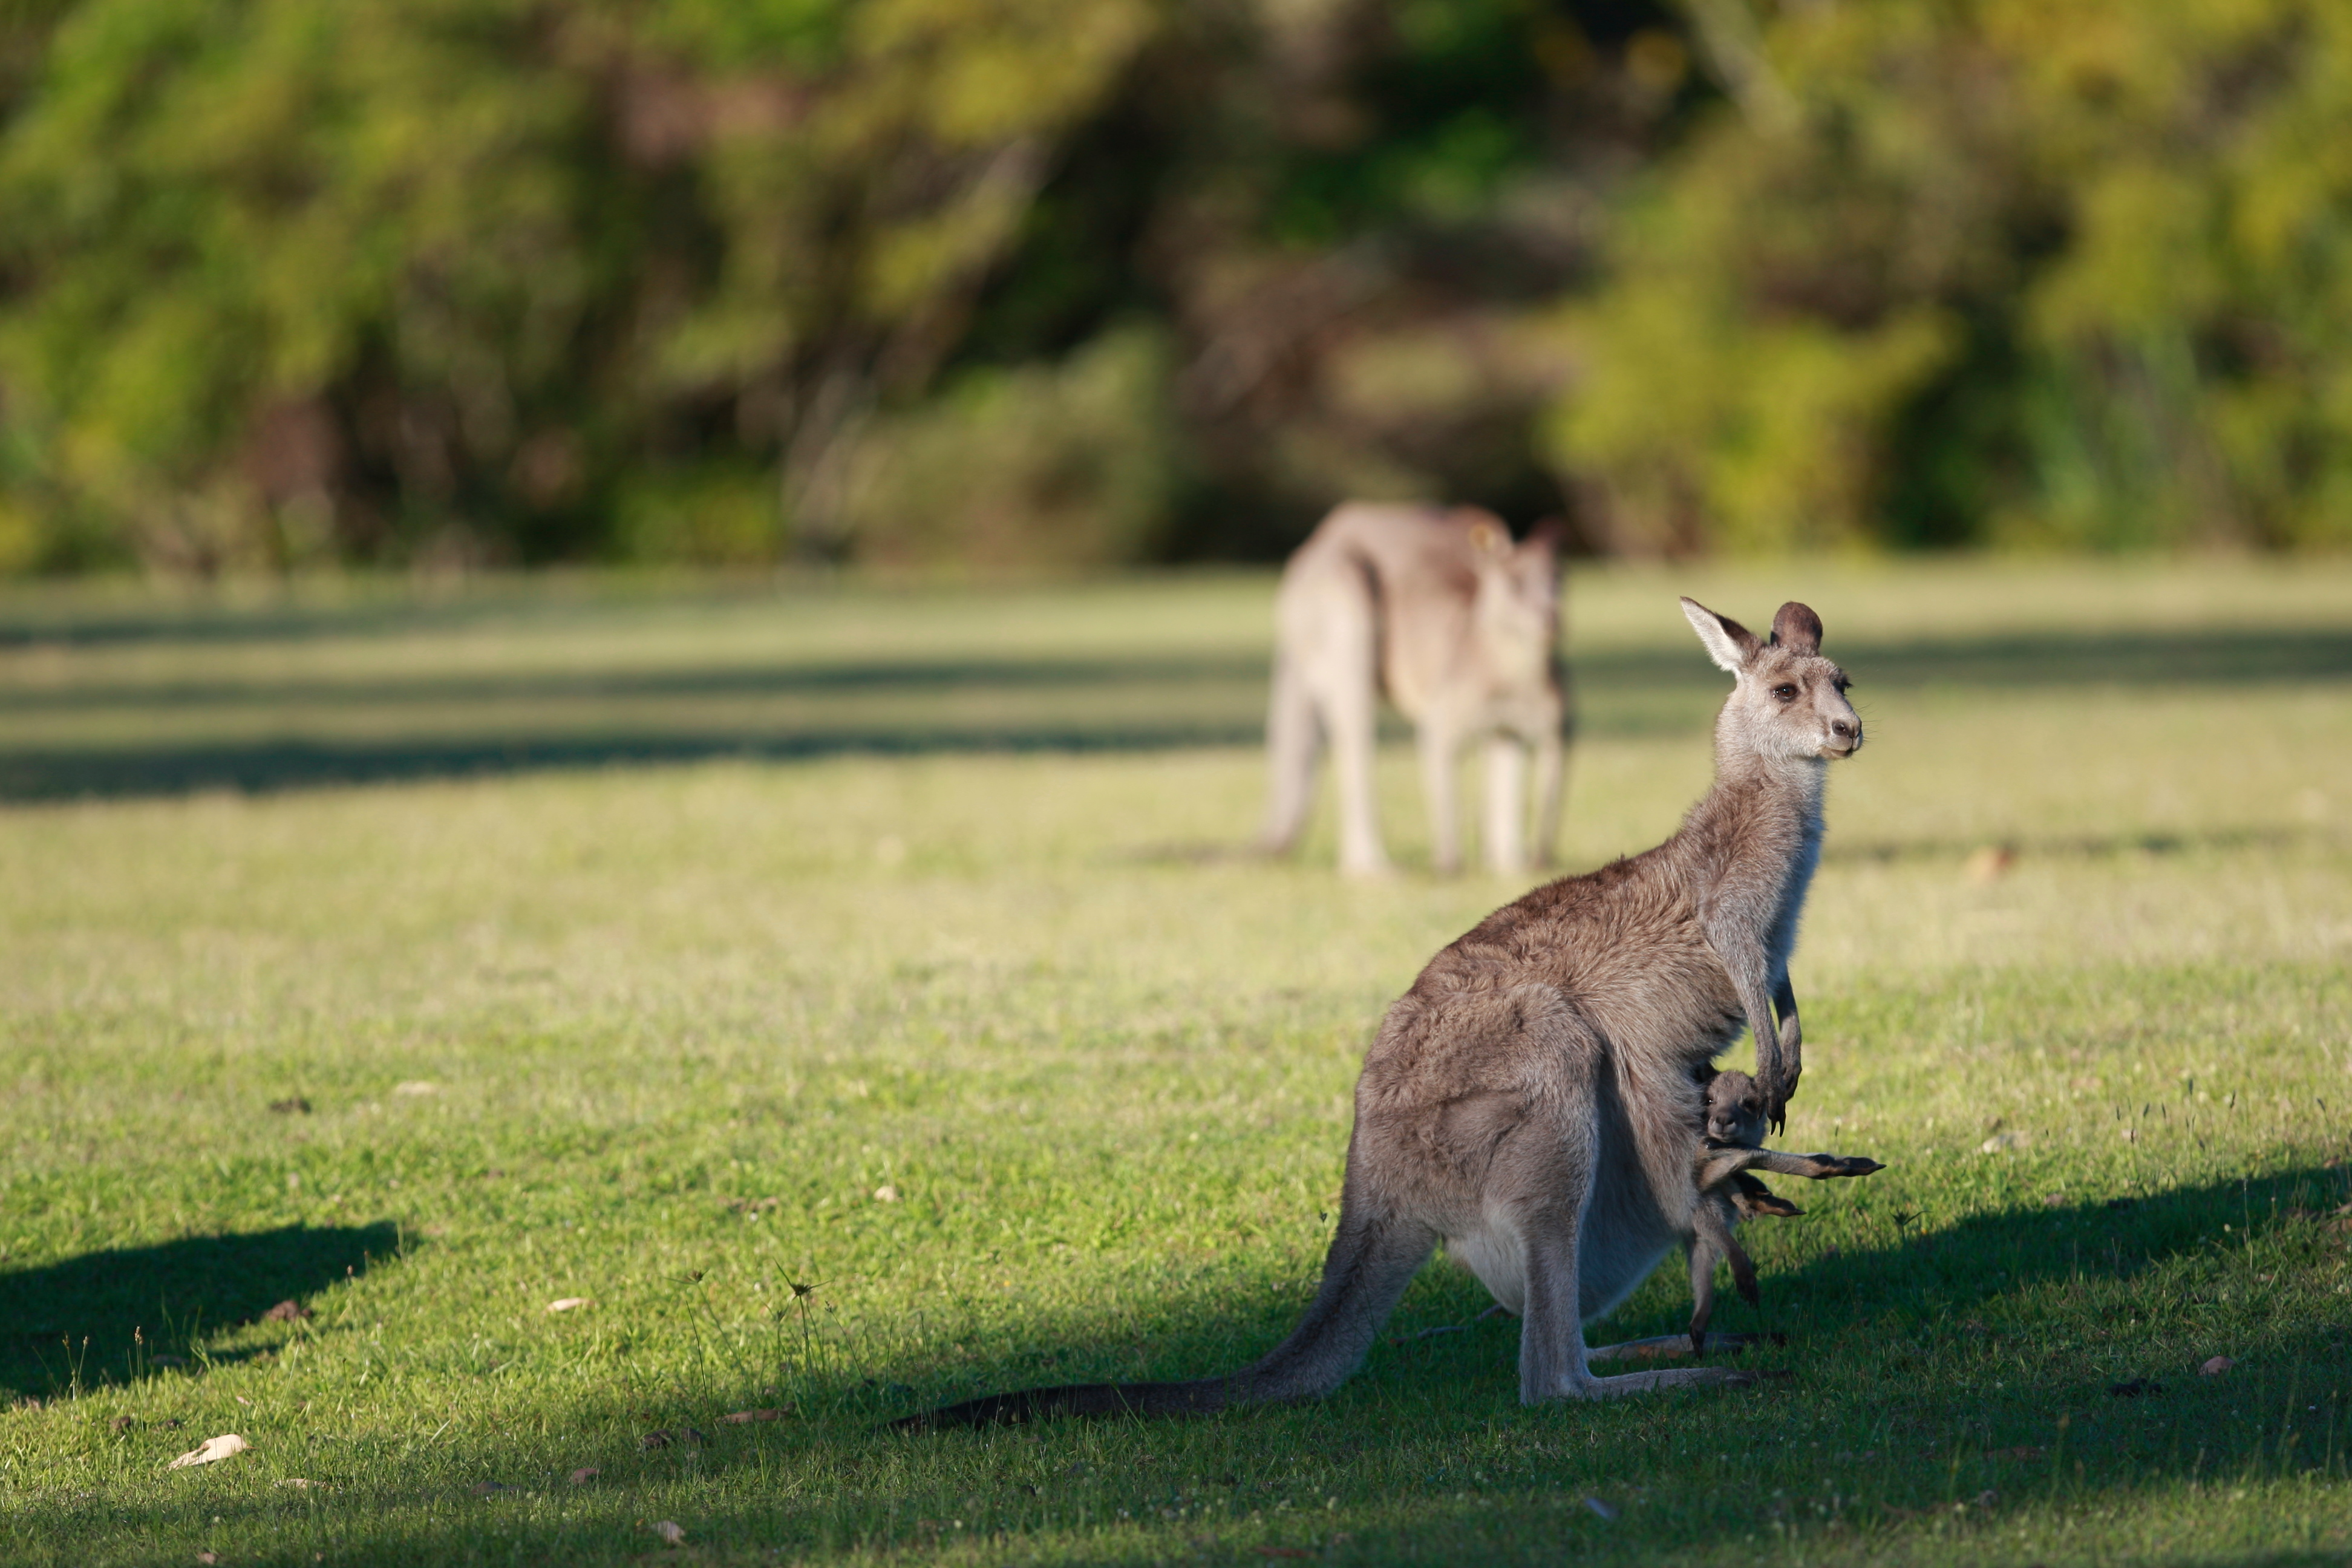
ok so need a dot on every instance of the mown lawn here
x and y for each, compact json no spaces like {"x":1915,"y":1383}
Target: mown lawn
{"x":425,"y":959}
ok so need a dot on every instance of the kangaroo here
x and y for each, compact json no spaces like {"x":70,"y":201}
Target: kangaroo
{"x":1461,"y":629}
{"x":1529,"y":1101}
{"x":1735,"y":1120}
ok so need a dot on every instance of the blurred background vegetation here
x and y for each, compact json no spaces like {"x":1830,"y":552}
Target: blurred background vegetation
{"x":1062,"y":283}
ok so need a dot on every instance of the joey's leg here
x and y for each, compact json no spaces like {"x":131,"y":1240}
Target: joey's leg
{"x":1816,"y":1167}
{"x":1439,"y":747}
{"x":1743,"y":1272}
{"x":1702,"y":1282}
{"x":1754,"y":1200}
{"x":1506,"y":805}
{"x":1715,"y":1167}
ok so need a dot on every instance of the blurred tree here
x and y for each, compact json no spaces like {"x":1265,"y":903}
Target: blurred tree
{"x":393,"y":277}
{"x":1025,"y":281}
{"x":1993,"y":271}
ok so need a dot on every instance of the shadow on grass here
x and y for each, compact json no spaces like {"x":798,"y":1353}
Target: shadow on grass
{"x":115,"y":1315}
{"x":1915,"y":1279}
{"x":1426,"y":1454}
{"x":450,"y":726}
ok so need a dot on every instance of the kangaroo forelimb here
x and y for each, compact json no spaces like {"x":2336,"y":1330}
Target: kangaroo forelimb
{"x":1791,"y":1052}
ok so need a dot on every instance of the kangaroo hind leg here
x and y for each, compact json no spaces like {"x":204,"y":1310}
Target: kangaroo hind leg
{"x":1507,"y":805}
{"x":1293,"y":739}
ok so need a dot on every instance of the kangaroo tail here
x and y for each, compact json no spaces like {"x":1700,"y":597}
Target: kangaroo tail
{"x":1370,"y":1263}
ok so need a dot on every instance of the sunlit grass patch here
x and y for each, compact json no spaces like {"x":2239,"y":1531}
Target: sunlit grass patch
{"x":843,"y":1083}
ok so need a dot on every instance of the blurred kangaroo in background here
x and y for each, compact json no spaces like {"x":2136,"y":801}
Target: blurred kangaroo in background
{"x":1461,"y":629}
{"x":1533,"y":1100}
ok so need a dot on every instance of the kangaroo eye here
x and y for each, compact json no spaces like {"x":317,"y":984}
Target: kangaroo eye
{"x":1785,"y":692}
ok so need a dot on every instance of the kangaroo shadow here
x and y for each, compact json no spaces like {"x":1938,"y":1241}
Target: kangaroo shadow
{"x":117,"y":1315}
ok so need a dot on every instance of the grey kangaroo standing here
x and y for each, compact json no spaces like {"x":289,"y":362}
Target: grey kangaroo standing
{"x":1461,"y":629}
{"x":1531,"y":1101}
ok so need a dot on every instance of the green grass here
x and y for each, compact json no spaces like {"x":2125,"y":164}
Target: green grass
{"x":624,"y":941}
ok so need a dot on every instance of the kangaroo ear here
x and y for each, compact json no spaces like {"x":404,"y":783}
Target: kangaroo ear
{"x":1488,"y":537}
{"x":1732,"y":646}
{"x":1797,"y":628}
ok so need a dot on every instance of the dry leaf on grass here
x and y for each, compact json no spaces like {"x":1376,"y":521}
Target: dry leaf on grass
{"x":669,"y":1529}
{"x":416,"y":1085}
{"x":286,"y":1311}
{"x":653,"y":1440}
{"x":585,"y":1474}
{"x":886,"y":1193}
{"x":305,"y":1484}
{"x":297,"y":1106}
{"x":567,"y":1303}
{"x":743,"y":1418}
{"x":2217,"y":1365}
{"x":490,"y":1489}
{"x":1989,"y":864}
{"x":207,"y":1557}
{"x":212,"y":1451}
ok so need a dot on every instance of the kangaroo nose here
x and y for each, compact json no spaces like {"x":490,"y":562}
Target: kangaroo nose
{"x":1840,"y":729}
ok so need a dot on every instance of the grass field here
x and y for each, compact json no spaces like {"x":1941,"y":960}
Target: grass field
{"x":424,"y":960}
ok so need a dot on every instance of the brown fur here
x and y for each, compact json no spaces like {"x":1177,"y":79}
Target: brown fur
{"x":1530,"y":1098}
{"x":1460,"y":630}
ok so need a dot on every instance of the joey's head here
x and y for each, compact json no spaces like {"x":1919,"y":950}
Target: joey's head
{"x":1516,"y":608}
{"x":1788,"y":703}
{"x":1735,"y":1111}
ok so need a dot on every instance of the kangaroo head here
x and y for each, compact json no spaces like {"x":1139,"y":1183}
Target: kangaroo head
{"x":1735,"y":1111}
{"x":1788,"y":702}
{"x":1517,"y":607}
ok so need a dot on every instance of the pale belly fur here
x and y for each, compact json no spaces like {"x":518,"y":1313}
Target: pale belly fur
{"x":1497,"y":1257}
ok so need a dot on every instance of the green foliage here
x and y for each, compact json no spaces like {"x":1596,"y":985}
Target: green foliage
{"x":1066,"y":465}
{"x":443,"y":275}
{"x":520,"y":281}
{"x":2073,"y":275}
